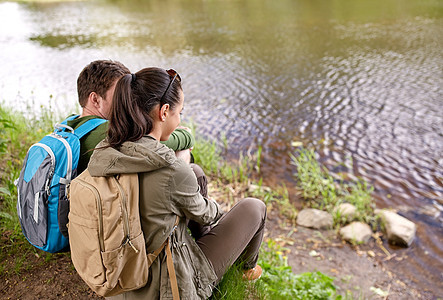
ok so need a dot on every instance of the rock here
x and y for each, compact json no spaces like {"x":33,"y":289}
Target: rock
{"x":253,"y":188}
{"x":400,"y":230}
{"x":346,"y":210}
{"x":356,"y":232}
{"x":314,"y":218}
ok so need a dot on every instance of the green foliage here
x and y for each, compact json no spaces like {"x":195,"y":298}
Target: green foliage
{"x":4,"y":126}
{"x":234,"y":287}
{"x":208,"y":156}
{"x":279,"y":282}
{"x":316,"y":183}
{"x":359,"y":194}
{"x":323,"y":191}
{"x":278,"y":196}
{"x":257,"y":166}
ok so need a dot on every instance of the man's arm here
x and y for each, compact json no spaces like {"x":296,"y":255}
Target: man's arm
{"x":180,"y":139}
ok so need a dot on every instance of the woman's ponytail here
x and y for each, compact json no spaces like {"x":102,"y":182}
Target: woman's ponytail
{"x":127,"y":122}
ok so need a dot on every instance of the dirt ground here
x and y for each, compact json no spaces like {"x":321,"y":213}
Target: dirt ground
{"x":33,"y":274}
{"x":358,"y":269}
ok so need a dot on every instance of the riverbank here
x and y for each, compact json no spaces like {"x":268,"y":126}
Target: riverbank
{"x":359,"y":271}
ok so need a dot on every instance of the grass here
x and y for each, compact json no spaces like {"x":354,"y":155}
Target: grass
{"x":17,"y":133}
{"x":208,"y":156}
{"x":323,"y":191}
{"x":241,"y":178}
{"x":277,"y":281}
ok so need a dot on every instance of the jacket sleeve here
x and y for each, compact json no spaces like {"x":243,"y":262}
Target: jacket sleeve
{"x":185,"y":193}
{"x":180,"y":139}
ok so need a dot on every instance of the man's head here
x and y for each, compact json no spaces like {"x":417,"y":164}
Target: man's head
{"x":95,"y":86}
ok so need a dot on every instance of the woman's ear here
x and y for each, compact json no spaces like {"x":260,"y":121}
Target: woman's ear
{"x":164,"y":111}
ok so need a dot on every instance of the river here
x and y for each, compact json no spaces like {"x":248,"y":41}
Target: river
{"x":357,"y":81}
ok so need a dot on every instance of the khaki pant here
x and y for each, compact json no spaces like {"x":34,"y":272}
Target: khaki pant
{"x":237,"y":236}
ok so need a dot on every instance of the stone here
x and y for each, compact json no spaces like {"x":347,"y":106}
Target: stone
{"x":400,"y":231}
{"x":346,"y":210}
{"x":356,"y":232}
{"x":253,"y":188}
{"x":314,"y":218}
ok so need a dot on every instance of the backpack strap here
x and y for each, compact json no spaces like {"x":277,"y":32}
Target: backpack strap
{"x":70,"y":119}
{"x":85,"y":128}
{"x":88,"y":126}
{"x":170,"y":264}
{"x":171,"y":271}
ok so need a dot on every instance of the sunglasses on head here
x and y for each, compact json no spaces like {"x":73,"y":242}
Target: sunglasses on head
{"x":172,"y":75}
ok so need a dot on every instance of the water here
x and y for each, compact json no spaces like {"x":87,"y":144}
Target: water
{"x":359,"y":81}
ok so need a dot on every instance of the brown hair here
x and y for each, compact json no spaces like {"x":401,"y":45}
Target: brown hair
{"x":135,"y":97}
{"x":98,"y":77}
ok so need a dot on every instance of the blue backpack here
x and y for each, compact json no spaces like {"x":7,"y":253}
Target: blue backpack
{"x":49,"y":167}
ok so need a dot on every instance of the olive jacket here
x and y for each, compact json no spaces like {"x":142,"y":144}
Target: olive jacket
{"x":168,"y":188}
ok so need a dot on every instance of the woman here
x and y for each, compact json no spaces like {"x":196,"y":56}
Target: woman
{"x":146,"y":109}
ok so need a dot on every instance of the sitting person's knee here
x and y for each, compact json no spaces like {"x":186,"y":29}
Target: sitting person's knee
{"x":256,"y":205}
{"x":198,"y":171}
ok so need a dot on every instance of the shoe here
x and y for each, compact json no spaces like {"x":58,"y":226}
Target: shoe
{"x":252,"y":274}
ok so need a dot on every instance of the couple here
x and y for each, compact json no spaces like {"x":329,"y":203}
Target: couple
{"x":144,"y":111}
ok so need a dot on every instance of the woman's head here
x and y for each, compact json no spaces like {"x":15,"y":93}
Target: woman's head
{"x":149,"y":101}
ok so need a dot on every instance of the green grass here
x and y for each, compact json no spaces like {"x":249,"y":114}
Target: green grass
{"x":233,"y":286}
{"x":277,"y":282}
{"x":325,"y":192}
{"x":209,"y":157}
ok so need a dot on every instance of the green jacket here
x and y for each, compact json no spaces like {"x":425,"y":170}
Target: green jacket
{"x":180,"y":139}
{"x":168,"y":188}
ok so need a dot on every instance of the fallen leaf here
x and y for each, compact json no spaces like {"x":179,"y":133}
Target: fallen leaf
{"x":314,"y":253}
{"x":379,"y":291}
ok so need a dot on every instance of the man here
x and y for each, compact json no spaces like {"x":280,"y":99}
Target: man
{"x":95,"y":88}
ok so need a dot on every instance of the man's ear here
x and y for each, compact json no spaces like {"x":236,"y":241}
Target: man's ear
{"x":93,"y":98}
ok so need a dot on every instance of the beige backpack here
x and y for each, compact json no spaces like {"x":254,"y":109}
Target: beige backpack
{"x":108,"y":248}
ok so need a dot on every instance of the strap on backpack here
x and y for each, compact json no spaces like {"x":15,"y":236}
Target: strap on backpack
{"x":88,"y":126}
{"x":170,"y":264}
{"x":70,"y":119}
{"x":85,"y":128}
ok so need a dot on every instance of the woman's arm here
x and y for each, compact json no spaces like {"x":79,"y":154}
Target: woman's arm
{"x":186,"y":196}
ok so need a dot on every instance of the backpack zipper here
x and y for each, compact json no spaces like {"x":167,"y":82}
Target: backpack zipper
{"x":125,"y":215}
{"x":100,"y":212}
